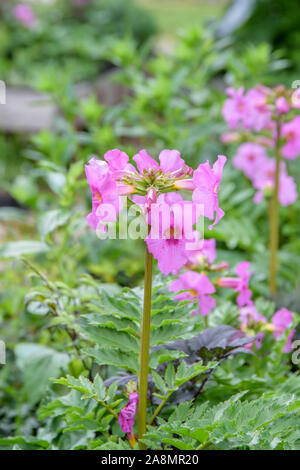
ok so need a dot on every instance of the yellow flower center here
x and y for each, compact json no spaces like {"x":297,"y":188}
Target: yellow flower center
{"x":98,"y":196}
{"x":193,"y":292}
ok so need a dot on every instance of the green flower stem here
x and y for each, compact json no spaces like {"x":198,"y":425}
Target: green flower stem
{"x":157,"y":411}
{"x":144,"y":354}
{"x":203,"y":445}
{"x":274,"y":214}
{"x":108,"y":408}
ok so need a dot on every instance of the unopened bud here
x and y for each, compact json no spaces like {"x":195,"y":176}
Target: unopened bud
{"x":223,"y":266}
{"x":151,"y":198}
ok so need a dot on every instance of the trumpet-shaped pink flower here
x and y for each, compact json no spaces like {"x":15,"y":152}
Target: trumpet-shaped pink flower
{"x":170,"y":161}
{"x":281,"y":320}
{"x":250,"y":158}
{"x":291,"y":132}
{"x":25,"y":15}
{"x":207,"y":181}
{"x":144,"y":162}
{"x":244,"y":273}
{"x":203,"y":250}
{"x":104,"y":193}
{"x":197,"y":287}
{"x":116,"y":159}
{"x":249,"y":319}
{"x":250,"y":315}
{"x":118,"y":163}
{"x":171,"y":232}
{"x":127,"y":414}
{"x":239,"y":284}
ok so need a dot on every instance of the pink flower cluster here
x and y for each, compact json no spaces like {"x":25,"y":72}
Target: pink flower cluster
{"x":281,"y":322}
{"x":251,"y":110}
{"x":127,"y":414}
{"x":253,"y":160}
{"x":250,"y":319}
{"x":155,"y":187}
{"x":195,"y":286}
{"x":258,"y":110}
{"x":25,"y":15}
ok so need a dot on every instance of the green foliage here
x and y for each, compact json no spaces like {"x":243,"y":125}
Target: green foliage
{"x":115,"y":323}
{"x":38,"y":363}
{"x":270,"y":422}
{"x":68,"y":38}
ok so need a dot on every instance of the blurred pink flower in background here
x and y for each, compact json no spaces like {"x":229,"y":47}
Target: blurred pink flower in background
{"x":258,"y":115}
{"x":281,"y":320}
{"x":197,"y":287}
{"x":249,"y":158}
{"x":251,"y":110}
{"x":203,"y":250}
{"x":291,"y":132}
{"x":264,"y":179}
{"x":228,"y":137}
{"x":25,"y":15}
{"x":249,"y":314}
{"x":234,"y":107}
{"x":282,"y":106}
{"x":239,"y":284}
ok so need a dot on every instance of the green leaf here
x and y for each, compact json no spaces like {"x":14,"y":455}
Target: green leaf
{"x":115,"y":357}
{"x":82,"y":384}
{"x":50,"y":220}
{"x":185,"y":373}
{"x":164,"y":355}
{"x":111,"y":338}
{"x":26,"y":442}
{"x":99,"y":387}
{"x":158,"y":382}
{"x":178,"y":444}
{"x":38,"y":364}
{"x":170,"y":375}
{"x":22,"y":247}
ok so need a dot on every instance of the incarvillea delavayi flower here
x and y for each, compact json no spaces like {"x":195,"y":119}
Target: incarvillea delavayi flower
{"x":156,"y":186}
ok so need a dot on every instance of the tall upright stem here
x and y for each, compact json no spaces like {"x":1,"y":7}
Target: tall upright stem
{"x":144,"y":353}
{"x":274,"y":213}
